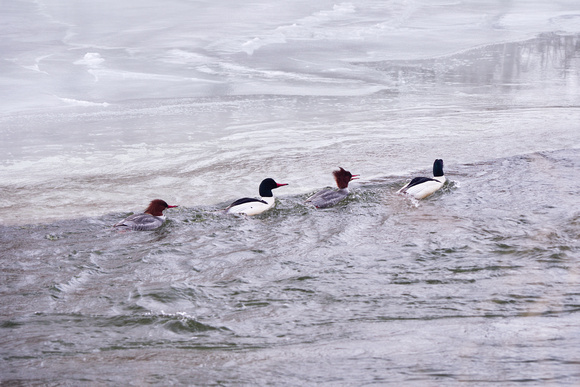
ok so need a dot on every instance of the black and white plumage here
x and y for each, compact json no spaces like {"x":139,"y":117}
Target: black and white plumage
{"x":151,"y":219}
{"x":421,"y":187}
{"x":255,"y":206}
{"x":329,"y":197}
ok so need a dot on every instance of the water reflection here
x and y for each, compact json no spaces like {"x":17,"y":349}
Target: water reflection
{"x":509,"y":65}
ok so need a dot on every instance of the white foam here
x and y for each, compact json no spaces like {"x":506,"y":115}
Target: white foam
{"x":101,"y":73}
{"x":91,"y":60}
{"x":307,"y":28}
{"x":77,"y":102}
{"x":35,"y":68}
{"x":177,"y":56}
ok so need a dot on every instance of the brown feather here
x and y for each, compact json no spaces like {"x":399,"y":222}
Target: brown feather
{"x":156,"y":207}
{"x":342,"y":177}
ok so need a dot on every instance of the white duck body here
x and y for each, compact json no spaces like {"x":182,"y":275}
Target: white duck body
{"x":255,"y":206}
{"x":421,"y":187}
{"x":251,"y":206}
{"x":329,"y":197}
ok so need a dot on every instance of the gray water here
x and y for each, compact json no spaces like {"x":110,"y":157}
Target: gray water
{"x":105,"y":108}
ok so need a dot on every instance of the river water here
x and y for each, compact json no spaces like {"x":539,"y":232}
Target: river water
{"x":109,"y":105}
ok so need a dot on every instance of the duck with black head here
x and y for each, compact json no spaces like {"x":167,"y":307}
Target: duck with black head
{"x":329,"y":197}
{"x":151,"y":219}
{"x":421,"y":187}
{"x":255,"y":206}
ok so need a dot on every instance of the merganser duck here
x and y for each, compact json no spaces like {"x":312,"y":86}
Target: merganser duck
{"x":329,"y":197}
{"x":151,"y":219}
{"x":255,"y":206}
{"x":421,"y":187}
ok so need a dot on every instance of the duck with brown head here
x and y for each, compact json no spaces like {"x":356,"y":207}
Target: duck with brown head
{"x":151,"y":219}
{"x":329,"y":197}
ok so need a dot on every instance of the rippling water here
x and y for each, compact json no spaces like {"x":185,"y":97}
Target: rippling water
{"x":477,"y":283}
{"x":114,"y":106}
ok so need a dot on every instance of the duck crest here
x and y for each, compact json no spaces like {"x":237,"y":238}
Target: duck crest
{"x":156,"y":207}
{"x":342,"y":177}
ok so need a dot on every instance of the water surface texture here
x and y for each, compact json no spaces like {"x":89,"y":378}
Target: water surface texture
{"x":107,"y":106}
